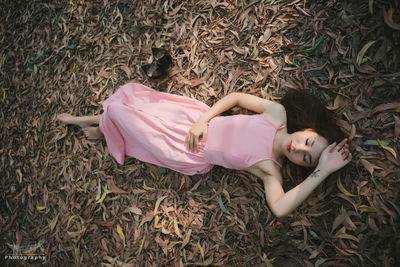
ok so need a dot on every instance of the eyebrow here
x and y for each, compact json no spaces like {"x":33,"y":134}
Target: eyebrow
{"x":310,"y":158}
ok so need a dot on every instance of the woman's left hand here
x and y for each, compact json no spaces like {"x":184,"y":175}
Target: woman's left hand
{"x":198,"y":130}
{"x":334,"y":157}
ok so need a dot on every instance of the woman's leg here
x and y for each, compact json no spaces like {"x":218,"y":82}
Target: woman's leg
{"x":93,"y":132}
{"x":85,"y":122}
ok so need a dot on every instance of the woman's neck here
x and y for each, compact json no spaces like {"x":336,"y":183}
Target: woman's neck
{"x":278,"y":146}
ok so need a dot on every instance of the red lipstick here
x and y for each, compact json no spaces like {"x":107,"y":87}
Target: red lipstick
{"x":289,"y":146}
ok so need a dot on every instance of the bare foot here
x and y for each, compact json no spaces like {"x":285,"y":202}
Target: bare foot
{"x":69,"y":119}
{"x":93,"y":133}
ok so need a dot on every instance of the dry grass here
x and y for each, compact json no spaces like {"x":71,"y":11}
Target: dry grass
{"x":67,"y":193}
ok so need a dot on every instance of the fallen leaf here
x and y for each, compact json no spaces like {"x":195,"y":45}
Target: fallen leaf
{"x":361,"y":185}
{"x":177,"y":230}
{"x":121,"y":234}
{"x":391,"y":150}
{"x":105,"y":193}
{"x":389,"y":22}
{"x":201,"y":250}
{"x":114,"y":188}
{"x":385,"y":107}
{"x":186,"y":239}
{"x":158,"y":203}
{"x":342,"y":189}
{"x":362,"y":52}
{"x":133,"y":210}
{"x":70,"y":220}
{"x":368,"y":166}
{"x":145,"y":187}
{"x":53,"y":222}
{"x":366,"y":209}
{"x":222,"y":206}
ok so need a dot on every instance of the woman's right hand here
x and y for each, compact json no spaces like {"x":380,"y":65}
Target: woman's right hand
{"x":199,"y":129}
{"x":334,"y":157}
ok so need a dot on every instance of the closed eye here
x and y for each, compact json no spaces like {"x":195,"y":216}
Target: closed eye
{"x":309,"y":158}
{"x":307,"y":142}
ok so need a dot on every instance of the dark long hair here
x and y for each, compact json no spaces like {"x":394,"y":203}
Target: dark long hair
{"x":303,"y":111}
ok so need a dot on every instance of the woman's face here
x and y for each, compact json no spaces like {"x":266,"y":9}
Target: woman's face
{"x":304,"y":148}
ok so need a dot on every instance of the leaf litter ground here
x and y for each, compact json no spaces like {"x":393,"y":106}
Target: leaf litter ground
{"x":63,"y":197}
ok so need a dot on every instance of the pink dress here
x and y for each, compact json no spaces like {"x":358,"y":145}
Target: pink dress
{"x":151,"y":126}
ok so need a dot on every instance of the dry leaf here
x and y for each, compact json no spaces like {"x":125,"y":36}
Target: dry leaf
{"x":114,"y":188}
{"x":368,"y":166}
{"x":121,"y":233}
{"x":70,"y":58}
{"x":364,"y":208}
{"x":391,"y":150}
{"x":389,"y":22}
{"x":342,"y":189}
{"x":362,"y":52}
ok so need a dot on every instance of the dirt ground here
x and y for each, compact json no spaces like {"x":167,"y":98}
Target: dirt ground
{"x":66,"y":202}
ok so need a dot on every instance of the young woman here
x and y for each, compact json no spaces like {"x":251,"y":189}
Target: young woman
{"x":187,"y":136}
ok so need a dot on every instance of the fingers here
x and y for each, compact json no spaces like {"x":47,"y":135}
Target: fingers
{"x":349,"y":157}
{"x":192,"y":142}
{"x":338,"y":147}
{"x":189,"y":141}
{"x":346,"y":154}
{"x":343,"y":149}
{"x":331,"y":147}
{"x":342,"y":144}
{"x":193,"y":136}
{"x":196,"y":144}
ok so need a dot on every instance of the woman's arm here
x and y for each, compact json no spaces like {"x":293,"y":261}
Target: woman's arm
{"x":246,"y":101}
{"x":281,"y":204}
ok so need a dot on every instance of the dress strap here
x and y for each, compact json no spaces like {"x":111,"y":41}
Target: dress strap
{"x":276,"y":162}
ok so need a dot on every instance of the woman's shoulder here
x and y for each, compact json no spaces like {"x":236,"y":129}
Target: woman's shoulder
{"x":265,"y":168}
{"x":276,"y":114}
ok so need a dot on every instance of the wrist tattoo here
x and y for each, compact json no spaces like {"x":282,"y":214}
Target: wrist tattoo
{"x":315,"y":173}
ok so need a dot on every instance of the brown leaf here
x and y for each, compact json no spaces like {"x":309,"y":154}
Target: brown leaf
{"x":127,"y":71}
{"x":147,"y":218}
{"x":70,"y":58}
{"x":186,"y":239}
{"x":114,"y":188}
{"x":158,"y":202}
{"x":396,"y":126}
{"x":387,"y":106}
{"x":362,"y":52}
{"x":389,"y":22}
{"x":368,"y":166}
{"x":342,"y":189}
